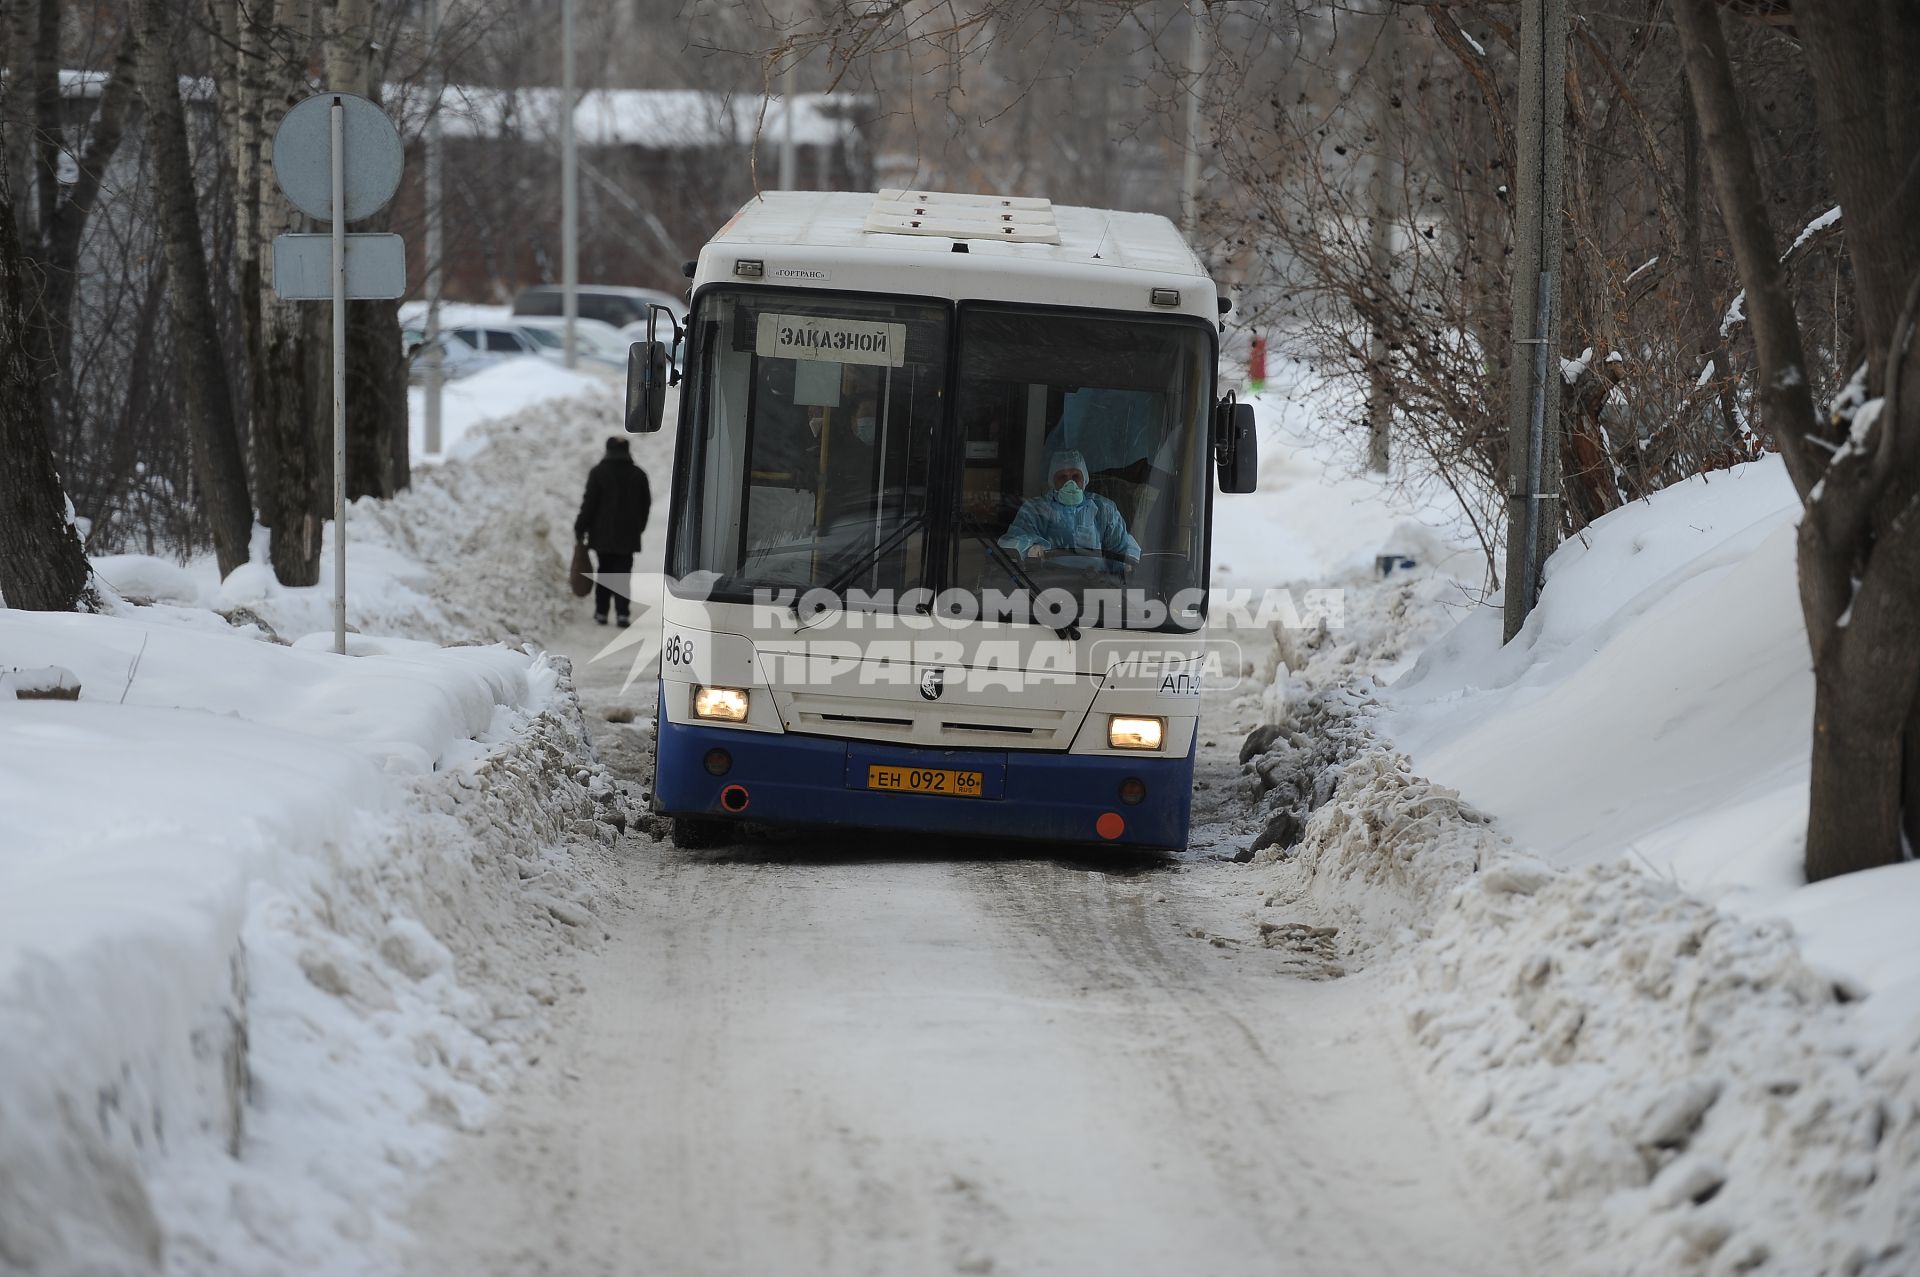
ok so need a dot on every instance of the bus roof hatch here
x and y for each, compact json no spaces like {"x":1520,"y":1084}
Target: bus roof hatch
{"x":1011,"y":218}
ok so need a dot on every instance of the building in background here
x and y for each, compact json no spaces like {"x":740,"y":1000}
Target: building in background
{"x":660,"y":170}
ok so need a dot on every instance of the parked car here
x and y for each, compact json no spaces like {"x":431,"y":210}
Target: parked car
{"x":457,"y":358}
{"x":609,"y":303}
{"x":496,"y":339}
{"x":596,"y":342}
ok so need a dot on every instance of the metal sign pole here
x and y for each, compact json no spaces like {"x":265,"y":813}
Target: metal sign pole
{"x":339,"y":124}
{"x":569,"y":196}
{"x":310,"y":161}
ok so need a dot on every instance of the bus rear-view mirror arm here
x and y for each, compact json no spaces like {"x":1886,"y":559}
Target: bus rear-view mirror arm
{"x":1236,"y":451}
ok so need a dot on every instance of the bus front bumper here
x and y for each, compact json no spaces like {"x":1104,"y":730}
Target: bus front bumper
{"x":815,"y":781}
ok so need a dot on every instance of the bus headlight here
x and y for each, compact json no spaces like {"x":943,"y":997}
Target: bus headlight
{"x":1132,"y":732}
{"x":725,"y":704}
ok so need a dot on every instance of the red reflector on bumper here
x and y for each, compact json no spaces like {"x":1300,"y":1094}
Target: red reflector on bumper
{"x":1110,"y":826}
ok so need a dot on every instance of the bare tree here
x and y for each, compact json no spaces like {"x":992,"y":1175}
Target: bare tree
{"x":41,"y":563}
{"x":286,"y":356}
{"x":201,"y":365}
{"x":1858,"y":469}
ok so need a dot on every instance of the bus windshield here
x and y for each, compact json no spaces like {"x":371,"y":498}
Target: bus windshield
{"x":814,"y":430}
{"x":821,"y":453}
{"x":1082,"y":462}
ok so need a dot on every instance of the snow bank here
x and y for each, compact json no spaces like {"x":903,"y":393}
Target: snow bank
{"x":1699,"y":1079}
{"x":247,"y":896}
{"x":142,"y":578}
{"x":1667,"y":662}
{"x":1317,"y":516}
{"x":274,"y":921}
{"x":506,"y":388}
{"x":1668,"y":665}
{"x":471,"y":552}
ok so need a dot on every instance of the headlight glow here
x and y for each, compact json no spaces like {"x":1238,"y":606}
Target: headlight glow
{"x":725,"y":704}
{"x":1131,"y":732}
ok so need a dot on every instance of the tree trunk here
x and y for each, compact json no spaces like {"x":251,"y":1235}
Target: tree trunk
{"x":376,"y":400}
{"x":376,"y":366}
{"x":201,"y":367}
{"x":287,"y":390}
{"x":42,"y":566}
{"x":1859,"y":540}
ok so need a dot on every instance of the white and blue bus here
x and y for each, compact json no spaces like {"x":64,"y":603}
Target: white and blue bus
{"x":938,"y":545}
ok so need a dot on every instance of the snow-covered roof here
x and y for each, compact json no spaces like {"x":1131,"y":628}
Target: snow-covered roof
{"x":663,"y":119}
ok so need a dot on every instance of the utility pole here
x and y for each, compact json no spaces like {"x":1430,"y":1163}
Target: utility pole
{"x":1196,"y":85}
{"x":789,"y":156}
{"x":436,"y":370}
{"x":1533,"y":435}
{"x":569,"y":193}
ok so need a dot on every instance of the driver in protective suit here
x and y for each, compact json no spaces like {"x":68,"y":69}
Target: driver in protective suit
{"x":1069,"y":517}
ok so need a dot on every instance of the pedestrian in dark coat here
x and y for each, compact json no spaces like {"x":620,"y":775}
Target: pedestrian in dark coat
{"x":613,"y":513}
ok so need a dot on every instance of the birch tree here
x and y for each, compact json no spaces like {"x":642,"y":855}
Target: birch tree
{"x":200,"y":366}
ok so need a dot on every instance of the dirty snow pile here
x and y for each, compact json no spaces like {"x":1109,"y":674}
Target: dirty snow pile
{"x":471,"y":551}
{"x":505,"y":389}
{"x":1579,"y":852}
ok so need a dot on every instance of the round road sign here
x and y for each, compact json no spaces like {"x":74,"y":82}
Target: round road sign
{"x":303,"y":161}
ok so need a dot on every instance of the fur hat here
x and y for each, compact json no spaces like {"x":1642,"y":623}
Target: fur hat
{"x":617,"y":446}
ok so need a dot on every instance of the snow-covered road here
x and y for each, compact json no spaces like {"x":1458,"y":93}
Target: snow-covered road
{"x":794,"y":1061}
{"x":817,"y":1056}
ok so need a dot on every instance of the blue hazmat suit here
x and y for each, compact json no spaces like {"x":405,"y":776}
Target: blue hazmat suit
{"x":1094,"y":523}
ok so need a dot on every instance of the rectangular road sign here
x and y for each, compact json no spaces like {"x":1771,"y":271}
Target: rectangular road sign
{"x":303,"y":267}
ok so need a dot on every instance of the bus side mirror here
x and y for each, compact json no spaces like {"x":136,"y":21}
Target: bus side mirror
{"x":1236,"y":453}
{"x":646,"y":386}
{"x":650,"y":371}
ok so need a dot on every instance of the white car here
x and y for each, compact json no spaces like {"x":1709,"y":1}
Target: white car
{"x":595,"y":340}
{"x":457,"y":358}
{"x":495,"y":339}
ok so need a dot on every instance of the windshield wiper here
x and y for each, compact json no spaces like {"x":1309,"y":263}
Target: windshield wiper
{"x":997,"y":551}
{"x":885,"y":546}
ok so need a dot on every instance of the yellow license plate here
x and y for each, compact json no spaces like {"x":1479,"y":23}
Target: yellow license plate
{"x":925,"y":780}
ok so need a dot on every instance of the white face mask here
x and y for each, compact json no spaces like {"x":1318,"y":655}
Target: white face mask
{"x":863,"y":427}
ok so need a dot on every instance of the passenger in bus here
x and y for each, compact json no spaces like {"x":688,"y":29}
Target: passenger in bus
{"x":1069,"y":518}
